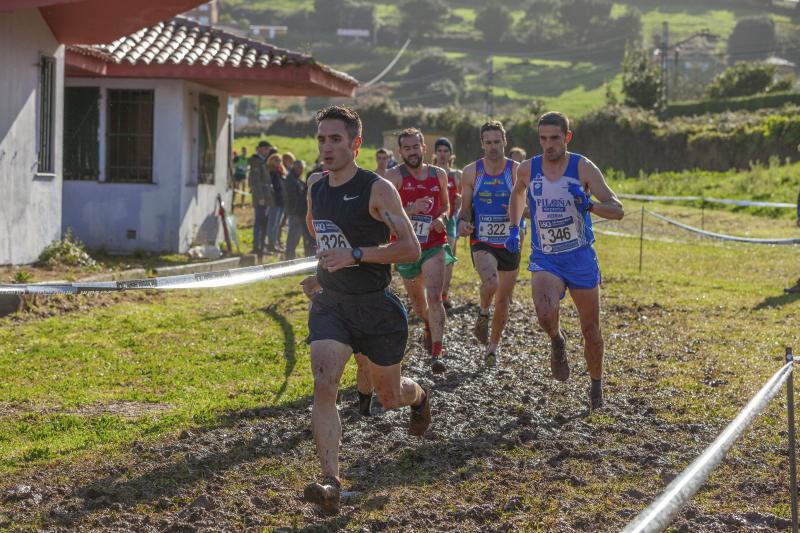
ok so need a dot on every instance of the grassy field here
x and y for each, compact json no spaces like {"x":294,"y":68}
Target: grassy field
{"x":86,"y":384}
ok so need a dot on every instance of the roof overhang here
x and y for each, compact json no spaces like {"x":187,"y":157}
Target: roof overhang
{"x":287,"y":80}
{"x":100,"y":21}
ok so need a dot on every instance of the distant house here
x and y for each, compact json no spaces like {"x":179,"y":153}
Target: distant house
{"x":147,"y":129}
{"x":783,"y":67}
{"x":207,"y":13}
{"x":32,"y":38}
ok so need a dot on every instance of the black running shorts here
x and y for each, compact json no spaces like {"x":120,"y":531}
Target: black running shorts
{"x":374,"y":324}
{"x":506,"y":261}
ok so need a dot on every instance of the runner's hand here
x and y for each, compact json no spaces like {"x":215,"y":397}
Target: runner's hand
{"x":437,"y":224}
{"x":310,"y":286}
{"x":513,"y":243}
{"x":336,"y":258}
{"x":465,"y":228}
{"x":581,"y":198}
{"x":420,"y":206}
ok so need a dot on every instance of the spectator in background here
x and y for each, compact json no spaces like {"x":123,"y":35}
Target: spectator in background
{"x":381,"y":161}
{"x":277,"y":173}
{"x":288,"y":160}
{"x":239,"y":174}
{"x":517,"y":154}
{"x":295,"y":205}
{"x":263,"y":194}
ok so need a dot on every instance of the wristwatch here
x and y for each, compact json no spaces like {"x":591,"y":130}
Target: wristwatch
{"x":357,"y":255}
{"x":590,"y":208}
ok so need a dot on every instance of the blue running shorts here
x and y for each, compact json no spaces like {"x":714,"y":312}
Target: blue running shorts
{"x":578,"y":269}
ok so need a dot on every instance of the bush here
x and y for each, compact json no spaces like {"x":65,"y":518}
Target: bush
{"x":493,"y":22}
{"x":719,"y":105}
{"x":752,"y":38}
{"x":746,"y":78}
{"x":69,"y":251}
{"x":641,"y":79}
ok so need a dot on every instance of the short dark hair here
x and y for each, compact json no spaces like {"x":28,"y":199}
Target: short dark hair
{"x":410,"y":132}
{"x":264,"y":144}
{"x":518,"y":150}
{"x":555,"y":118}
{"x":352,"y":122}
{"x":493,"y":125}
{"x":382,"y":151}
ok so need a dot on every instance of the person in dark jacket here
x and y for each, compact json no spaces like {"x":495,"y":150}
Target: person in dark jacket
{"x":262,"y":191}
{"x":295,"y":206}
{"x":277,"y":174}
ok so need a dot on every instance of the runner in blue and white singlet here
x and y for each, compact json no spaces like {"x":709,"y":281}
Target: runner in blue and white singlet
{"x":557,"y":225}
{"x":558,"y":186}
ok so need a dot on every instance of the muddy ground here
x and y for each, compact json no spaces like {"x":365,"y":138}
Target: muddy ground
{"x":509,"y":449}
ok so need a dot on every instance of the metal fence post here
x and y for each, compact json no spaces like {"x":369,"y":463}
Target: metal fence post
{"x":792,"y":446}
{"x":641,"y":240}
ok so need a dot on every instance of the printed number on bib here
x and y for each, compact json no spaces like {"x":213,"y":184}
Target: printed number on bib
{"x":493,"y":229}
{"x":329,"y":235}
{"x":558,"y":235}
{"x":422,"y":227}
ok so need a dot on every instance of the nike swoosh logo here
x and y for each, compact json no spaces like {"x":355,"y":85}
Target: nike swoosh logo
{"x":348,"y":198}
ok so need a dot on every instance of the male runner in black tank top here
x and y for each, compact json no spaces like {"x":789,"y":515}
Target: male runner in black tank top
{"x":351,"y":212}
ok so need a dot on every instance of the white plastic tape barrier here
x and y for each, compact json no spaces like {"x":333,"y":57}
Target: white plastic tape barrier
{"x":721,"y":236}
{"x":743,"y":203}
{"x":202,"y":280}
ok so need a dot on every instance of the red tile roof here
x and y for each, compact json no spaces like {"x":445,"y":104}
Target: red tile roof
{"x":181,"y":41}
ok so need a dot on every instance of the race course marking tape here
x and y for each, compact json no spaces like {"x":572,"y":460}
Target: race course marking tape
{"x":201,"y":280}
{"x":743,"y":203}
{"x":721,"y":236}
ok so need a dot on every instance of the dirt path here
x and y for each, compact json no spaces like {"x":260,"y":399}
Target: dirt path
{"x":509,"y":450}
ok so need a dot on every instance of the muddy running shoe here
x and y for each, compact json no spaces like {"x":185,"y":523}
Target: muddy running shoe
{"x":437,"y":364}
{"x":326,"y":494}
{"x":364,"y":404}
{"x":559,"y":365}
{"x":793,"y":290}
{"x":420,"y":417}
{"x":427,"y":339}
{"x":481,"y":329}
{"x":490,"y":358}
{"x":596,"y":395}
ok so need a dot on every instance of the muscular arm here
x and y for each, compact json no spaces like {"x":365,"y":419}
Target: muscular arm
{"x":457,"y":198}
{"x":592,"y":179}
{"x":312,"y":179}
{"x":465,"y":226}
{"x":516,"y":204}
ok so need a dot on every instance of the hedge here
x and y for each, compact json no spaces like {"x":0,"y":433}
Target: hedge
{"x":742,"y":103}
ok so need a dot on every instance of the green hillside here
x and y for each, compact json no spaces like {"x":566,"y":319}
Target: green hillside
{"x":570,"y":78}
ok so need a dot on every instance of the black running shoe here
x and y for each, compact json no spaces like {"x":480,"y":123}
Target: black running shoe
{"x":596,"y":395}
{"x":559,"y":366}
{"x":326,"y":494}
{"x":427,"y":339}
{"x":365,"y":404}
{"x":437,"y":365}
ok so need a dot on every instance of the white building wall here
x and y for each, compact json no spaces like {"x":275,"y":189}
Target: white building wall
{"x":169,"y":214}
{"x":102,"y":214}
{"x":30,"y":203}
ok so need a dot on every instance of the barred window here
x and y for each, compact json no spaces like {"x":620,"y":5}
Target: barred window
{"x":129,"y":136}
{"x":47,"y":103}
{"x":207,"y":145}
{"x":81,"y":123}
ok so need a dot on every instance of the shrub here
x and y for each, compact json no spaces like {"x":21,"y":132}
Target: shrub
{"x":69,"y":251}
{"x":746,"y":78}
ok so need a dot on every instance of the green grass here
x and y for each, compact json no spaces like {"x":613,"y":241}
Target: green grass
{"x":768,"y":183}
{"x":304,"y":148}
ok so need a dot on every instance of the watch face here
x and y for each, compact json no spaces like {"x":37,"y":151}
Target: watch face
{"x":357,"y":254}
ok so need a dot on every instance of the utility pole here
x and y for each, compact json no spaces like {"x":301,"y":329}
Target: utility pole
{"x":664,"y":60}
{"x":490,"y":89}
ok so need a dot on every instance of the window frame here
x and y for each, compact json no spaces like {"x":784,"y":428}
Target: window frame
{"x":129,"y":141}
{"x":46,"y":119}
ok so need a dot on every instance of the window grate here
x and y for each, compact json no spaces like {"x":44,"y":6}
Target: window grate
{"x":81,"y":122}
{"x":129,"y":136}
{"x":207,"y":147}
{"x":47,"y":95}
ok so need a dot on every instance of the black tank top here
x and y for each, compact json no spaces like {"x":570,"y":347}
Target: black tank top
{"x":342,"y":219}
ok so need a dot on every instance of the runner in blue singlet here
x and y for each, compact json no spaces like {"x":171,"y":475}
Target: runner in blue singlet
{"x":486,"y":187}
{"x":558,"y":185}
